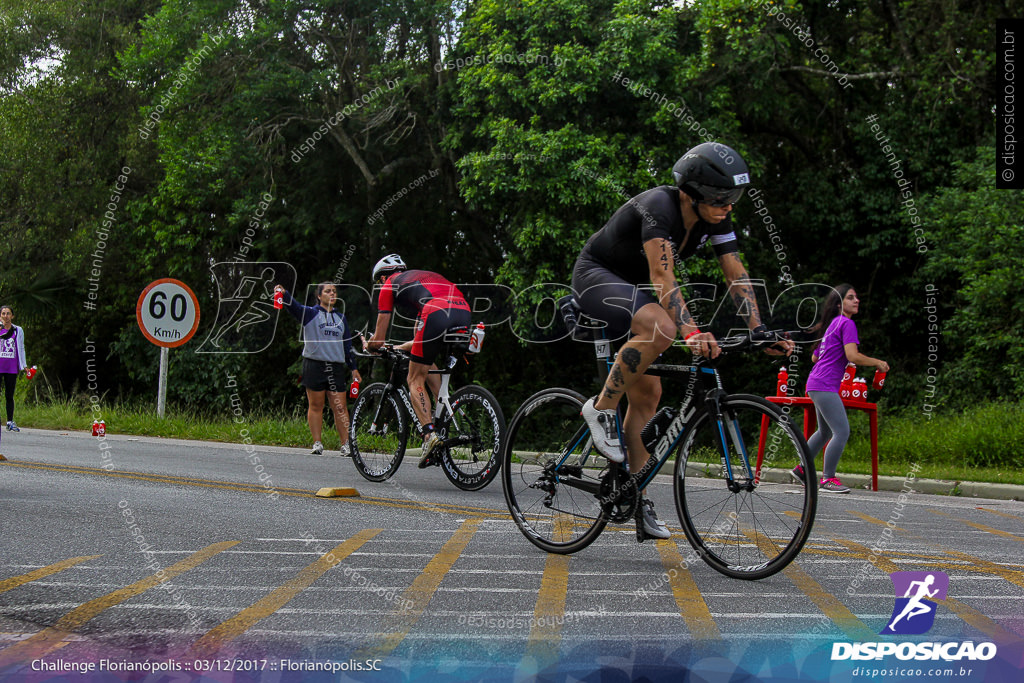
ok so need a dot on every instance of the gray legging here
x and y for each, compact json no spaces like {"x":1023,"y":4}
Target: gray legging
{"x":833,"y":427}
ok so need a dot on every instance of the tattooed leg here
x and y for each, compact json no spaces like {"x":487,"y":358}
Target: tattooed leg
{"x":636,"y":354}
{"x":631,"y":359}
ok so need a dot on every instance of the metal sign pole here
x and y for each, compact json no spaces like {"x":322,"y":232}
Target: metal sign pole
{"x":161,"y":389}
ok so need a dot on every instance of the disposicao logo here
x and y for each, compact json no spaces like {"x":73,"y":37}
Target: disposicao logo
{"x":914,"y":613}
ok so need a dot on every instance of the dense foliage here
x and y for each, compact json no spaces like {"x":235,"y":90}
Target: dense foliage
{"x":487,"y":140}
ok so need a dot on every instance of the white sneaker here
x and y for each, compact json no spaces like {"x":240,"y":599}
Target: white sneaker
{"x":653,"y":526}
{"x":430,"y":442}
{"x":345,"y":451}
{"x":603,"y":431}
{"x":318,"y":448}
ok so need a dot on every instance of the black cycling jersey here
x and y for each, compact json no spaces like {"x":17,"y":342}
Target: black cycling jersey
{"x":618,"y":246}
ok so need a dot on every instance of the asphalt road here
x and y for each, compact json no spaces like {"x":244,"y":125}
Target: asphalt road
{"x":160,"y":553}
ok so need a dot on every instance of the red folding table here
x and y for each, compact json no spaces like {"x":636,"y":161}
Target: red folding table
{"x":811,"y":425}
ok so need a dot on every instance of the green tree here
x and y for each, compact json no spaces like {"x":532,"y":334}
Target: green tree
{"x":974,"y":273}
{"x":62,"y":115}
{"x":791,"y":85}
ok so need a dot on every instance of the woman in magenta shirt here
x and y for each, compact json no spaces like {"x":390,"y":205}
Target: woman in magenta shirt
{"x":12,"y":360}
{"x":837,"y":348}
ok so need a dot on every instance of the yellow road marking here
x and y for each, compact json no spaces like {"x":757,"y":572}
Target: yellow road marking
{"x":548,"y":615}
{"x":256,"y":488}
{"x":159,"y":478}
{"x":1001,"y":513}
{"x":830,"y":605}
{"x":870,"y":519}
{"x":962,"y":610}
{"x":51,"y":638}
{"x":981,"y":527}
{"x":15,"y":581}
{"x":1006,"y":573}
{"x":222,"y":634}
{"x":422,"y":590}
{"x":549,"y":612}
{"x":688,"y":597}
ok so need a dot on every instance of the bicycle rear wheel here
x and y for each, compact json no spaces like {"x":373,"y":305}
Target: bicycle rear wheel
{"x":474,"y":436}
{"x":549,"y":475}
{"x":378,"y":432}
{"x":756,"y":527}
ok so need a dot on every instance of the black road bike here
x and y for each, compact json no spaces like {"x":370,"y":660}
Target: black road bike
{"x":562,"y":492}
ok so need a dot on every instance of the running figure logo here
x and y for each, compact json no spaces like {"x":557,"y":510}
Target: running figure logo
{"x":914,"y":613}
{"x":246,"y":317}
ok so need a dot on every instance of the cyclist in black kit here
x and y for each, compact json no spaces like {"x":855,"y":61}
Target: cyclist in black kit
{"x":625,"y":278}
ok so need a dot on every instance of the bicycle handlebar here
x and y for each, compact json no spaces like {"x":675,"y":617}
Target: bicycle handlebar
{"x":388,"y":351}
{"x":751,"y":340}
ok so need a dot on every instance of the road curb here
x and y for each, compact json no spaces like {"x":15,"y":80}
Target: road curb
{"x":941,"y":487}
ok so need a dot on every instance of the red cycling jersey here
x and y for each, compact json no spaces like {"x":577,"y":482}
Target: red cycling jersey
{"x":435,"y":303}
{"x":411,"y":290}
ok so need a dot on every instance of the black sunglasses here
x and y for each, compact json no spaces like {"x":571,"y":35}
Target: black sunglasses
{"x":717,"y":196}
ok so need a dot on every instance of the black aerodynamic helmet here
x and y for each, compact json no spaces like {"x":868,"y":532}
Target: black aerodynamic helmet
{"x":712,"y":172}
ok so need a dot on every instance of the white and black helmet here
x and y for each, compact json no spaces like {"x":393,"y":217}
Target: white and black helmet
{"x":388,"y":264}
{"x":712,"y":172}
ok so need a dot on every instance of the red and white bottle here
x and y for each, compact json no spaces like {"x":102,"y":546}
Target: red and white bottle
{"x":102,"y":430}
{"x":860,"y":389}
{"x":353,"y":389}
{"x":782,"y":385}
{"x":476,"y":338}
{"x":850,"y":373}
{"x":879,"y":380}
{"x":95,"y":427}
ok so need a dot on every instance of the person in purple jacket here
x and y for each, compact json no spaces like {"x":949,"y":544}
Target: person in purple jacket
{"x":327,"y":349}
{"x":838,"y":347}
{"x":12,"y":360}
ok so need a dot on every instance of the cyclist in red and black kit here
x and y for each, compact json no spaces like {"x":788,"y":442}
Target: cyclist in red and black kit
{"x":625,"y":277}
{"x":437,"y":305}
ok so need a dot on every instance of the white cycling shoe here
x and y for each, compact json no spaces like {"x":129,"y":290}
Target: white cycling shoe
{"x":603,"y":431}
{"x":652,"y":526}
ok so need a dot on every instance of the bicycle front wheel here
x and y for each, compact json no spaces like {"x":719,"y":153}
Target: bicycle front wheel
{"x":378,"y":432}
{"x":475,"y":430}
{"x":549,"y":473}
{"x":745,"y":524}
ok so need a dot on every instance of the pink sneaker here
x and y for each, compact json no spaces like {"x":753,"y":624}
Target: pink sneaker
{"x":833,"y":485}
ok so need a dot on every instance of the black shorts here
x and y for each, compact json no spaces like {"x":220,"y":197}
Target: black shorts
{"x":431,"y":325}
{"x":323,"y":375}
{"x":605,"y":296}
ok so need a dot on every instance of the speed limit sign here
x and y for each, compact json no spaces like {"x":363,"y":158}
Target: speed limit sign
{"x":168,"y":312}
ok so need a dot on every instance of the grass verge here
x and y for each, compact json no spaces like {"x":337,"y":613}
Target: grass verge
{"x":141,"y":420}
